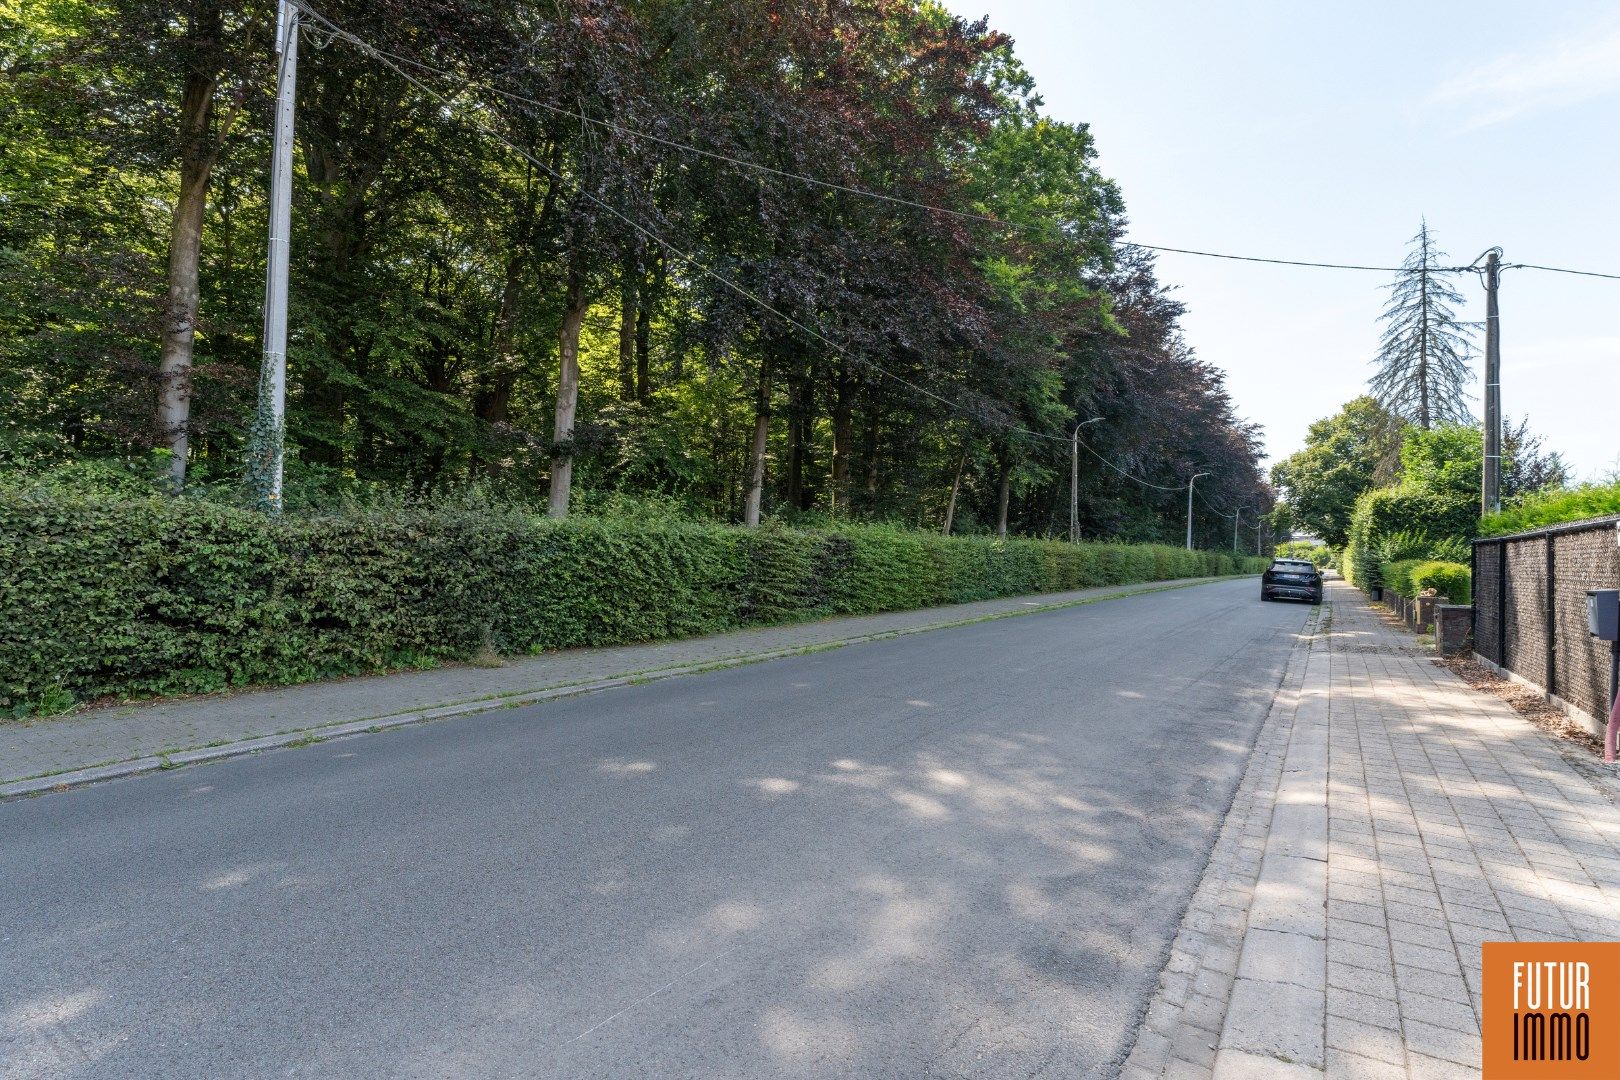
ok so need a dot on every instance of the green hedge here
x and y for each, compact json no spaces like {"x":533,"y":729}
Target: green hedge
{"x":1409,"y":577}
{"x":115,"y":596}
{"x":1396,"y":576}
{"x":1544,"y":508}
{"x":1395,"y":523}
{"x":1454,"y":581}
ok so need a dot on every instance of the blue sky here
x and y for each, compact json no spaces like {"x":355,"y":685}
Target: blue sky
{"x":1307,"y":132}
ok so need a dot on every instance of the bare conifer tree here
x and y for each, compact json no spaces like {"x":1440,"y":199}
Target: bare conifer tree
{"x":1423,"y":356}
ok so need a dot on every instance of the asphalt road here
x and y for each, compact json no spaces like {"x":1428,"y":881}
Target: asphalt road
{"x":961,"y":852}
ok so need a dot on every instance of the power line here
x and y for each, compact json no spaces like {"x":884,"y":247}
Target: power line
{"x":1298,"y":262}
{"x":1560,"y":270}
{"x":1122,"y":472}
{"x":675,"y":144}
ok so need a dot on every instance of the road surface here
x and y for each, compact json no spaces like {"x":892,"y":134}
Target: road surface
{"x":958,"y":853}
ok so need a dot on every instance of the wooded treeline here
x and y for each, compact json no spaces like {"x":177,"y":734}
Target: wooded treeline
{"x":453,"y":290}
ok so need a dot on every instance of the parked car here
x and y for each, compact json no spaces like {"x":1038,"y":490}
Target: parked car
{"x":1291,"y":579}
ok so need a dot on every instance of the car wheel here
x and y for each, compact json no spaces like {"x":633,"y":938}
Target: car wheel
{"x":1264,"y":596}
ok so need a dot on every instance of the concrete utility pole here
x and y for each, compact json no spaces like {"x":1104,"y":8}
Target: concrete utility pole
{"x":266,"y":456}
{"x":1074,"y":479}
{"x":1190,"y":484}
{"x":1236,"y":517}
{"x":1491,"y":483}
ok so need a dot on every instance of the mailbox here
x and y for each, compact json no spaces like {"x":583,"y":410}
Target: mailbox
{"x":1603,"y":613}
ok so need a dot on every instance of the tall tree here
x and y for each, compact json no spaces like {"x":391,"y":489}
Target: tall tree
{"x":1344,"y":455}
{"x":1423,"y":354}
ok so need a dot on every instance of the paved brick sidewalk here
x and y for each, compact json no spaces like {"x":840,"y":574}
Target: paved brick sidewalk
{"x":1390,"y":821}
{"x":139,"y":734}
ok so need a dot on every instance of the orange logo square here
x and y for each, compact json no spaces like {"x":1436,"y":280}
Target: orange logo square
{"x":1552,"y":1010}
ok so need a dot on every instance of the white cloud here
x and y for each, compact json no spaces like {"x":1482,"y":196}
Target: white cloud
{"x":1558,"y":73}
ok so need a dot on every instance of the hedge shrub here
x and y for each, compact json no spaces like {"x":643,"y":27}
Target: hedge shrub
{"x":1544,"y":508}
{"x":107,"y":595}
{"x":1396,"y":575}
{"x":1454,"y":581}
{"x":1390,"y":524}
{"x":1409,"y":577}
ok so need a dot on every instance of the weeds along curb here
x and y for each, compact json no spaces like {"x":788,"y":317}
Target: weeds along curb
{"x":73,"y":778}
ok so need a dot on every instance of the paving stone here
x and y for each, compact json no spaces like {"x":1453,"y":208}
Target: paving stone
{"x":1452,"y":1015}
{"x":1195,"y":1046}
{"x":1342,"y":951}
{"x":1379,"y":1011}
{"x":1344,"y":1066}
{"x":1443,"y":961}
{"x":1355,"y":1037}
{"x":1276,"y":1020}
{"x":1270,"y":956}
{"x":1238,"y":1065}
{"x":1455,"y":1046}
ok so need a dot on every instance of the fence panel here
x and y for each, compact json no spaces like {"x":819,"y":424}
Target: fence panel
{"x":1530,"y":608}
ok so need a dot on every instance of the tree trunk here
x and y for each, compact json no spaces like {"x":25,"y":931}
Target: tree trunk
{"x":756,"y":452}
{"x":629,"y":302}
{"x":1003,"y":496}
{"x":795,"y":446}
{"x":956,"y":488}
{"x":842,"y":425}
{"x":874,"y":430}
{"x":1423,"y":343}
{"x":197,"y":153}
{"x":562,"y":458}
{"x":643,"y":349}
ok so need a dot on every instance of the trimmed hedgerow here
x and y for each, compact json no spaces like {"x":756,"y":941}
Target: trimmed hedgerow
{"x":1454,"y":581}
{"x":1409,"y":577}
{"x":103,"y":595}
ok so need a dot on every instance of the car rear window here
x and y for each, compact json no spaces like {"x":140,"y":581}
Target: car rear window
{"x":1294,"y":567}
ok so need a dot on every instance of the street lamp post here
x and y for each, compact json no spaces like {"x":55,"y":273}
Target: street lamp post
{"x":1190,"y":484}
{"x":1074,"y":479}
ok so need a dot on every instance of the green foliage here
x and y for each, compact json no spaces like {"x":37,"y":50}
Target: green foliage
{"x":105,"y":595}
{"x":1397,"y":576}
{"x":1320,"y":554}
{"x":1342,"y":458}
{"x":1405,"y":522}
{"x":1539,"y":511}
{"x":1452,"y":580}
{"x":1445,"y":459}
{"x":1410,"y":577}
{"x":432,"y":267}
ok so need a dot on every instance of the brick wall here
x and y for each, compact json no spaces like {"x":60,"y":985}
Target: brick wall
{"x":1539,"y":634}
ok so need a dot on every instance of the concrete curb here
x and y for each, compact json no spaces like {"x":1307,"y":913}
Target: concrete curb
{"x":73,"y":778}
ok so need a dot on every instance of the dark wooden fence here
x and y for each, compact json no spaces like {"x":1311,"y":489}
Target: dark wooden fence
{"x":1530,"y":608}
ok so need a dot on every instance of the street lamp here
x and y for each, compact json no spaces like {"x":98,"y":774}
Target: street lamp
{"x":1190,"y":484}
{"x":1074,"y":479}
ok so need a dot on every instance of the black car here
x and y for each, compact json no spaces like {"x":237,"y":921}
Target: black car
{"x":1291,"y":579}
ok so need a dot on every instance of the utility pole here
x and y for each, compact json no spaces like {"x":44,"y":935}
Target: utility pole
{"x":1074,"y":479}
{"x":266,"y":453}
{"x":1190,"y":484}
{"x":1491,"y":483}
{"x":1258,"y":525}
{"x":1236,"y":517}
